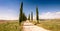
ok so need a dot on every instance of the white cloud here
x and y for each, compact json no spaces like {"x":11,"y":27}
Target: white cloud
{"x":8,"y":17}
{"x":49,"y":15}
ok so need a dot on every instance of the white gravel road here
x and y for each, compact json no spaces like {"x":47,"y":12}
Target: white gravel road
{"x":27,"y":26}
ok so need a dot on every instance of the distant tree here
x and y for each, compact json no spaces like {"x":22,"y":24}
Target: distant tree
{"x":31,"y":15}
{"x":37,"y":14}
{"x":21,"y":13}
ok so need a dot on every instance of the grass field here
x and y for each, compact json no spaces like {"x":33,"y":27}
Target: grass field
{"x":9,"y":26}
{"x":53,"y":25}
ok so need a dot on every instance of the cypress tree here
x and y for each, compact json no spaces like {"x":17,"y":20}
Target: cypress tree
{"x":24,"y":17}
{"x":21,"y":13}
{"x":31,"y":15}
{"x":37,"y":14}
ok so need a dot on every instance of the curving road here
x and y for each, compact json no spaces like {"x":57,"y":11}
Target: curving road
{"x":27,"y":26}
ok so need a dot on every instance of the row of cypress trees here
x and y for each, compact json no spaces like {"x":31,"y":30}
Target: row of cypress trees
{"x":22,"y":16}
{"x":37,"y":15}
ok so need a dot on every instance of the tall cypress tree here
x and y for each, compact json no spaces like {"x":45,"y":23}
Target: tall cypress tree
{"x":31,"y":15}
{"x":21,"y":13}
{"x":37,"y":14}
{"x":22,"y":16}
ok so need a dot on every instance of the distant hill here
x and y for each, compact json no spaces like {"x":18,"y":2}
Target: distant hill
{"x":7,"y":20}
{"x":49,"y":19}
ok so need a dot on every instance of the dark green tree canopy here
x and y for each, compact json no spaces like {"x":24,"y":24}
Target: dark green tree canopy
{"x":29,"y":17}
{"x":37,"y":14}
{"x":22,"y":16}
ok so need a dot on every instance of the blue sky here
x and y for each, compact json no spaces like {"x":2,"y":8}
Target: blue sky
{"x":43,"y":5}
{"x":49,"y":8}
{"x":9,"y":9}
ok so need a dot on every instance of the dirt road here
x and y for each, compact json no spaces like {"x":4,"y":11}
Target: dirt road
{"x":27,"y":26}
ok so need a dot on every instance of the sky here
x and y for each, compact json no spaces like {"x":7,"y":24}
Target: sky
{"x":48,"y":9}
{"x":9,"y":9}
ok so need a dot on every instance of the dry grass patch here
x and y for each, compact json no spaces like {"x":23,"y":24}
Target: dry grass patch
{"x":9,"y":26}
{"x":53,"y":25}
